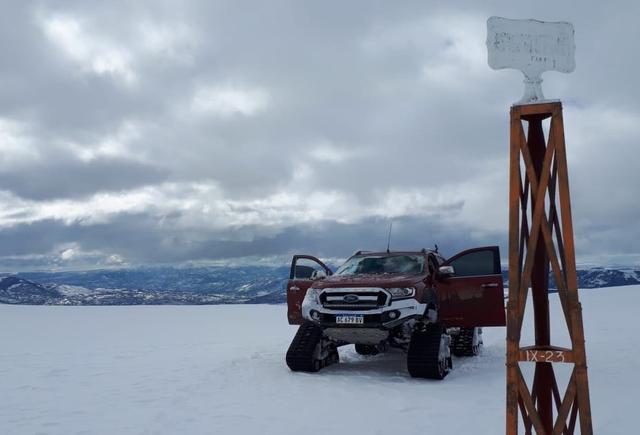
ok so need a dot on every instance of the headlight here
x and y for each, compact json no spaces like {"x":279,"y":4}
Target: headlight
{"x":311,"y":300}
{"x":401,"y":292}
{"x":311,"y":297}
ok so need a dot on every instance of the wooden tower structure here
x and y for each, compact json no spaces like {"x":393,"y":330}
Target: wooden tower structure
{"x":540,"y":241}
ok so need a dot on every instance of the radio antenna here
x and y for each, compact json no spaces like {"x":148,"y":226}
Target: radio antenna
{"x":389,"y":236}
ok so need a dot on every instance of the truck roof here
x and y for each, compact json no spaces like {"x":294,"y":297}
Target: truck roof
{"x":433,"y":252}
{"x":382,"y":253}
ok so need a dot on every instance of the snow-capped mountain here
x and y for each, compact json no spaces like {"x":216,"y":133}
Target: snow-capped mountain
{"x":196,"y":285}
{"x":603,"y":277}
{"x":149,"y":286}
{"x":16,"y":290}
{"x":596,"y":277}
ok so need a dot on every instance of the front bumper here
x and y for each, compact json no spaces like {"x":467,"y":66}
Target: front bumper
{"x":387,"y":316}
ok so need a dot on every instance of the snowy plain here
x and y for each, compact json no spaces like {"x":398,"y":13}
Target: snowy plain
{"x":221,"y":370}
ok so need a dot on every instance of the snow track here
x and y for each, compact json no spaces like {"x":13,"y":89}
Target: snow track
{"x":221,"y":369}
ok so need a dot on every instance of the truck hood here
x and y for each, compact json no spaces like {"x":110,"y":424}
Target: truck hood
{"x":368,"y":280}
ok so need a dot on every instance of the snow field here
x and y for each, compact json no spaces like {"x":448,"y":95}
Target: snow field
{"x":220,"y":370}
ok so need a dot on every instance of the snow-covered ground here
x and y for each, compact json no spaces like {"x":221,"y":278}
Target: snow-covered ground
{"x":221,"y":370}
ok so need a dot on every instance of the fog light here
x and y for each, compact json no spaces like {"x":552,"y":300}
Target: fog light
{"x":393,"y":315}
{"x":315,"y":315}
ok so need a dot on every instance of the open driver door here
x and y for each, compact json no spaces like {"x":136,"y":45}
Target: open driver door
{"x":470,"y":289}
{"x":305,"y":269}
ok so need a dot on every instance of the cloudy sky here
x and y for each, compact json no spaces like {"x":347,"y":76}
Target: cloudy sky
{"x":170,"y":131}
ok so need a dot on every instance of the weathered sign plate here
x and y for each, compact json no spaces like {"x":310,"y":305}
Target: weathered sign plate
{"x":532,"y":47}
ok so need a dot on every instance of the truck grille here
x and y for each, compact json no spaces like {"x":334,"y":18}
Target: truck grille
{"x":353,"y":299}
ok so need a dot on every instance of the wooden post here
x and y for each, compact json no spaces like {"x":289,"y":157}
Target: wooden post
{"x":540,"y":240}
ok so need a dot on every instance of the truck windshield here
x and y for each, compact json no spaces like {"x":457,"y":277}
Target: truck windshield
{"x":405,"y":264}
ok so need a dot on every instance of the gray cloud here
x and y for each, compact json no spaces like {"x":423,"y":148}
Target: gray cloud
{"x":141,"y":239}
{"x":70,"y":178}
{"x":183,"y":131}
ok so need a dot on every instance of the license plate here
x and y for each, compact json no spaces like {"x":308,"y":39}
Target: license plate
{"x":350,"y":319}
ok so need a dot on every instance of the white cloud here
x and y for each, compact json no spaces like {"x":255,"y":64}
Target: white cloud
{"x":68,"y":253}
{"x":73,"y":254}
{"x":458,"y":57}
{"x":115,"y":260}
{"x":97,"y":49}
{"x":592,"y":126}
{"x":204,"y":206}
{"x":396,"y":202}
{"x":99,"y":208}
{"x":229,"y":100}
{"x":120,"y":144}
{"x":16,"y":146}
{"x":327,"y":152}
{"x":451,"y":45}
{"x":91,"y":51}
{"x":174,"y":41}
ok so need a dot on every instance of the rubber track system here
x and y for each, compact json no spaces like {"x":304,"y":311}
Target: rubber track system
{"x":462,"y":344}
{"x":423,"y":353}
{"x":366,"y":349}
{"x":301,"y":353}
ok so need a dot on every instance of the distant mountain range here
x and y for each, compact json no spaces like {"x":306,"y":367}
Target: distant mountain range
{"x":148,"y":285}
{"x":195,"y":285}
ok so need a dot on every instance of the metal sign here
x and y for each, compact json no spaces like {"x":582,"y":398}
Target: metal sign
{"x":532,"y":47}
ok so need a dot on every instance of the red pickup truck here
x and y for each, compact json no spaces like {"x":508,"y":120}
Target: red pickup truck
{"x":418,"y":301}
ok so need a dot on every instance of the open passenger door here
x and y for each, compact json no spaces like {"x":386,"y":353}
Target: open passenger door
{"x":305,"y":269}
{"x":472,"y":293}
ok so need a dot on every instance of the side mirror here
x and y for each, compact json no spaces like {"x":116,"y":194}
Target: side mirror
{"x":318,"y":274}
{"x":446,"y":271}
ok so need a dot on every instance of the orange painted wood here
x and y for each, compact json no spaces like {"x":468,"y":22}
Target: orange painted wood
{"x":528,"y":195}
